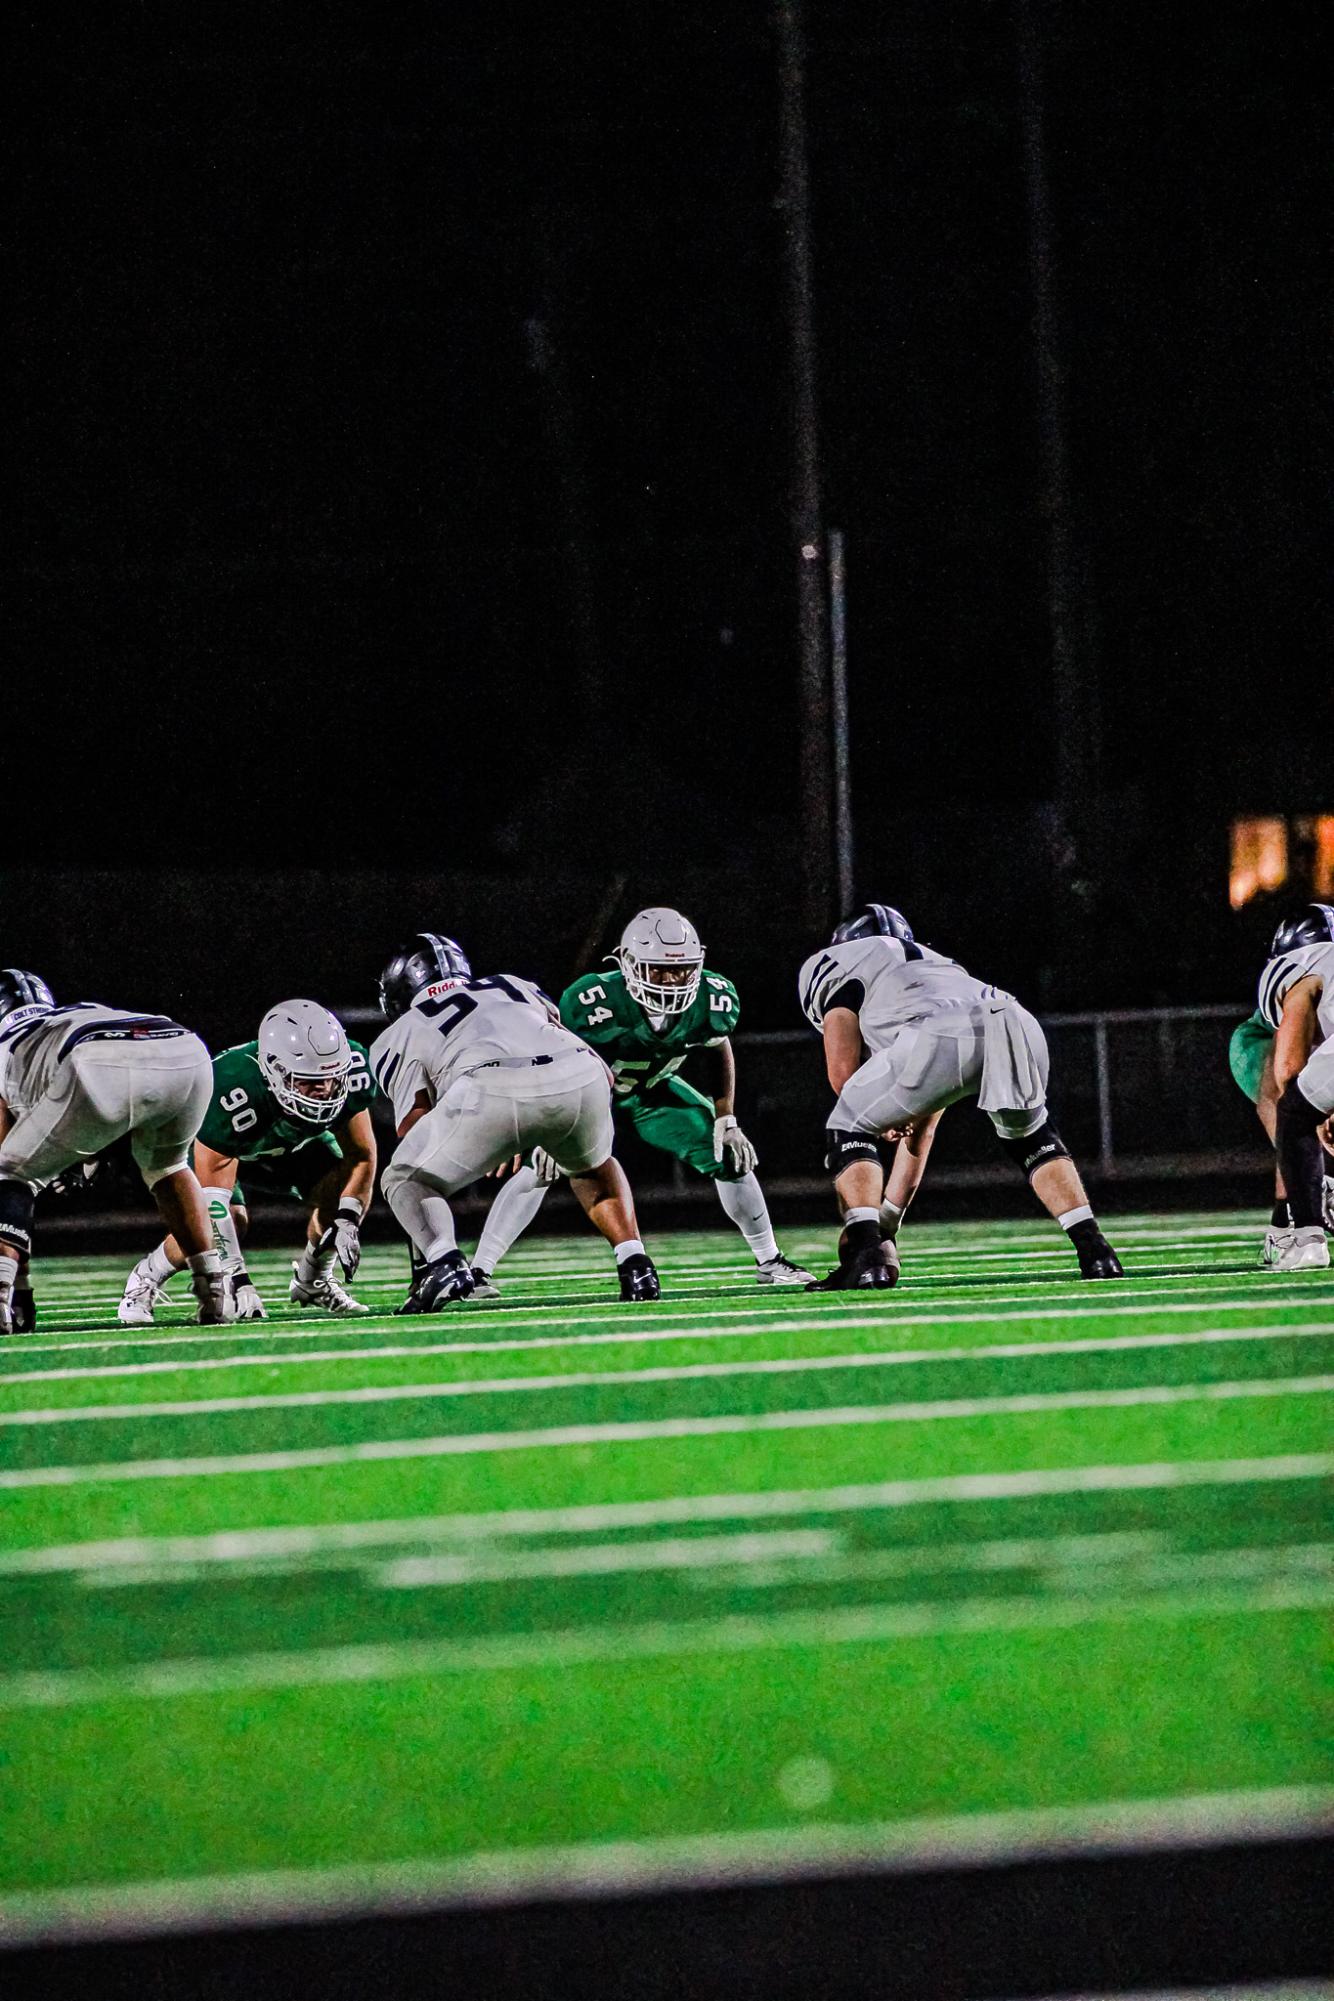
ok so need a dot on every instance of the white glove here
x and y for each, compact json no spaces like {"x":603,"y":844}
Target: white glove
{"x":730,"y":1141}
{"x":246,"y":1300}
{"x":343,"y":1238}
{"x":545,"y":1168}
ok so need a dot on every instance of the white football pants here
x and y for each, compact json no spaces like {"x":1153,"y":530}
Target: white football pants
{"x":157,"y":1092}
{"x":930,"y":1065}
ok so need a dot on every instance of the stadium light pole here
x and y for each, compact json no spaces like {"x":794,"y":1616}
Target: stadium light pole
{"x":806,"y":519}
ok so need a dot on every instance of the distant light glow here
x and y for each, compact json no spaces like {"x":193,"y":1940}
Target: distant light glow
{"x":1259,"y":858}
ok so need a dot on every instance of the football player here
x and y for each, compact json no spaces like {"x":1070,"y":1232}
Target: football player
{"x":73,"y":1081}
{"x":906,"y":1032}
{"x":477,"y":1071}
{"x":293,"y":1109}
{"x":1297,"y":1000}
{"x":659,"y":1005}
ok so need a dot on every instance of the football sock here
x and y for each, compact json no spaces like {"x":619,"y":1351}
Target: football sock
{"x":1281,"y":1216}
{"x":513,"y":1210}
{"x":1072,"y":1219}
{"x":314,"y":1264}
{"x":219,"y":1205}
{"x":861,"y":1230}
{"x":425,"y":1216}
{"x":744,"y":1204}
{"x":631,"y":1248}
{"x":157,"y":1265}
{"x":207,"y":1262}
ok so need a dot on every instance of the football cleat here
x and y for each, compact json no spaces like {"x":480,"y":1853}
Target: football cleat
{"x":483,"y":1285}
{"x":638,"y":1277}
{"x":245,"y":1298}
{"x":873,"y":1266}
{"x":438,"y":1283}
{"x":1097,"y":1259}
{"x":324,"y":1292}
{"x":781,"y":1271}
{"x":1275,"y":1245}
{"x":139,"y":1299}
{"x":215,"y":1299}
{"x":1305,"y":1250}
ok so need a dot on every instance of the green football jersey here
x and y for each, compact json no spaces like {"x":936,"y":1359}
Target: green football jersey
{"x":244,"y":1120}
{"x":599,"y":1009}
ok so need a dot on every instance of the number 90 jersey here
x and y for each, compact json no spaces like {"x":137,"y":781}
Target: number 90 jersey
{"x":600,"y":1010}
{"x":244,"y":1120}
{"x":460,"y":1025}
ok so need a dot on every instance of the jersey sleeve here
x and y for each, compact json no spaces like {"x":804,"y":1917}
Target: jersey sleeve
{"x":1277,"y":980}
{"x":237,"y":1091}
{"x":362,"y":1089}
{"x":398,"y":1070}
{"x":586,"y":1009}
{"x":723,"y":1003}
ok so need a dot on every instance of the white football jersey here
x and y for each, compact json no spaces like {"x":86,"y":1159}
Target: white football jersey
{"x":34,"y":1044}
{"x":1281,"y":975}
{"x":901,"y":983}
{"x":459,"y":1025}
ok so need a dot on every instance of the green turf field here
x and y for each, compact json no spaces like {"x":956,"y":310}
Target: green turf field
{"x":564,"y":1592}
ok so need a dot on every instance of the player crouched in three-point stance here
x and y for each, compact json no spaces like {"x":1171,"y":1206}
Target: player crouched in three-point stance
{"x":1297,"y":999}
{"x":293,"y":1107}
{"x":478,"y":1071}
{"x":74,"y":1080}
{"x":645,"y":1019}
{"x":907,"y":1032}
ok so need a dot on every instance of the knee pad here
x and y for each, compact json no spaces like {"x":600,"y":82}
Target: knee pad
{"x":1296,"y":1111}
{"x":845,"y":1147}
{"x":16,"y":1206}
{"x":1036,"y":1149}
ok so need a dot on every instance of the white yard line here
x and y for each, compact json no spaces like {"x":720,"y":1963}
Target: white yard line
{"x":555,"y":1437}
{"x":676,"y":1510}
{"x":567,"y":1647}
{"x":90,"y":1911}
{"x":621,"y":1378}
{"x":810,"y":1322}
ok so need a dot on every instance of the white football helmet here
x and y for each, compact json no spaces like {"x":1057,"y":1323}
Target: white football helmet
{"x":662,"y":959}
{"x":304,"y":1054}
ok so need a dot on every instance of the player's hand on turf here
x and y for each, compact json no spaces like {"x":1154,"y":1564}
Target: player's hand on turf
{"x":343,"y":1238}
{"x":545,"y":1168}
{"x":731,"y":1144}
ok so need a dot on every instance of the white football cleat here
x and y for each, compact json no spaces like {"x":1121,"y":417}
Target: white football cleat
{"x":139,"y":1299}
{"x":1305,"y":1250}
{"x":325,"y":1293}
{"x":1275,"y":1244}
{"x":781,"y":1271}
{"x":483,"y":1285}
{"x":245,"y":1297}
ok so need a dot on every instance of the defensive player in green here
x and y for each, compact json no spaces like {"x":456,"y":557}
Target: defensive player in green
{"x":659,"y":1006}
{"x":293,"y":1107}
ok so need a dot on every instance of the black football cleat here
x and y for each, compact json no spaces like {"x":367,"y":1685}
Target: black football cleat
{"x":438,"y":1283}
{"x":872,"y":1266}
{"x":1097,"y":1259}
{"x":639,"y":1279}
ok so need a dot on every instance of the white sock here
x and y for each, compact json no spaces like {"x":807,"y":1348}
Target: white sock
{"x":513,"y":1210}
{"x":425,"y":1215}
{"x":219,"y":1205}
{"x":862,"y":1216}
{"x":207,"y":1262}
{"x":314,"y":1264}
{"x":631,"y":1248}
{"x":157,"y":1265}
{"x":1083,"y":1214}
{"x":744,"y":1204}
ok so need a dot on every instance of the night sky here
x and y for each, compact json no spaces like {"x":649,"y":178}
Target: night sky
{"x":403,"y":439}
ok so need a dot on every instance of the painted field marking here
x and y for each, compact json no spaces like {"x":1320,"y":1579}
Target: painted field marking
{"x":787,"y":1853}
{"x":676,"y":1510}
{"x":635,"y":1431}
{"x":778,"y":1323}
{"x":563,"y":1647}
{"x":884,"y":1358}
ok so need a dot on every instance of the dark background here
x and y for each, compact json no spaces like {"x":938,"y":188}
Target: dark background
{"x":403,"y":428}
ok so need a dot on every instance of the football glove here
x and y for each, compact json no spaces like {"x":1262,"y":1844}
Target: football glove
{"x":246,"y":1300}
{"x":731,"y":1144}
{"x":343,"y":1238}
{"x":545,"y":1168}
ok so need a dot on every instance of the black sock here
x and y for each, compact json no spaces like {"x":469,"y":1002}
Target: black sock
{"x":1281,"y":1216}
{"x":861,"y":1237}
{"x":1084,"y":1236}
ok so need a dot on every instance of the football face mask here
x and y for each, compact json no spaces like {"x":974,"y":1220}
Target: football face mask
{"x":662,"y":960}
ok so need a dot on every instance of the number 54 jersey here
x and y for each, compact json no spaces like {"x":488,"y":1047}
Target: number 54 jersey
{"x":455,"y":1027}
{"x":599,"y":1008}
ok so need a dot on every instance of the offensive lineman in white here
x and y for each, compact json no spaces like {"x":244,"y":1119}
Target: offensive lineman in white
{"x":1297,"y":998}
{"x":906,"y":1032}
{"x":477,"y":1071}
{"x":73,"y":1080}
